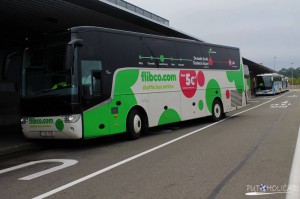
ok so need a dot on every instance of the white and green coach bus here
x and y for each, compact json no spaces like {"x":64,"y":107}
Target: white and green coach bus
{"x":91,"y":82}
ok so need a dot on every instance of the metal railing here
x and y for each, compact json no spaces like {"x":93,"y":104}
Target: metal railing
{"x":140,"y":11}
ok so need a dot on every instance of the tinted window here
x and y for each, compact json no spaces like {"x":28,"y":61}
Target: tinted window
{"x":174,"y":54}
{"x":88,"y":79}
{"x":114,"y":51}
{"x":264,"y":82}
{"x":119,"y":51}
{"x":211,"y":57}
{"x":186,"y":53}
{"x":157,"y":53}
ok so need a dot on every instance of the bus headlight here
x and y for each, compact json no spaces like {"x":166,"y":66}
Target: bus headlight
{"x":70,"y":118}
{"x":24,"y":120}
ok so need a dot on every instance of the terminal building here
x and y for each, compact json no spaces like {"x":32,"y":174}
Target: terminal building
{"x":23,"y":19}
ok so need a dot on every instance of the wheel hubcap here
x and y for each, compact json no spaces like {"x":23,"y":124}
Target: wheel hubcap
{"x":217,"y":110}
{"x":137,"y":124}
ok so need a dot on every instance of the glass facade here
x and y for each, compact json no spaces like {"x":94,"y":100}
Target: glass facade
{"x":140,"y":11}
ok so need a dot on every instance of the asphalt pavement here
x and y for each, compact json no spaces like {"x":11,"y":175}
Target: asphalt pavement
{"x":13,"y":141}
{"x":252,"y":149}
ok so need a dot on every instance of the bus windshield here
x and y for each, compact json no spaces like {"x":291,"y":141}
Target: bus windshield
{"x":264,"y":82}
{"x":44,"y":72}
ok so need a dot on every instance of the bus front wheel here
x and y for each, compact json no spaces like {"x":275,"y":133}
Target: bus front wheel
{"x":217,"y":110}
{"x":135,"y":125}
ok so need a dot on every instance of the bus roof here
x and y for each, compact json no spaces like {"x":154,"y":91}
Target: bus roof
{"x":270,"y":74}
{"x":101,"y":29}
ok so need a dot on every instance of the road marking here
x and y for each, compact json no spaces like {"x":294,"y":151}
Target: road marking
{"x":284,"y":104}
{"x":293,"y":95}
{"x":295,"y":172}
{"x":66,"y":186}
{"x":66,"y":163}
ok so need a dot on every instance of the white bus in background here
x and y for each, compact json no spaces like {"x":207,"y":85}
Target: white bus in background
{"x":268,"y":84}
{"x":285,"y":83}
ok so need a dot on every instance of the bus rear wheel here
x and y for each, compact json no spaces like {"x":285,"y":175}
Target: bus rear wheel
{"x":217,"y":110}
{"x":135,"y":125}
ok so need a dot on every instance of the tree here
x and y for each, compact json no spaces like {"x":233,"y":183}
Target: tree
{"x":290,"y":72}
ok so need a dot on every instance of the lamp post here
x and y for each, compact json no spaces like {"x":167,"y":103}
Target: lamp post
{"x":274,"y":62}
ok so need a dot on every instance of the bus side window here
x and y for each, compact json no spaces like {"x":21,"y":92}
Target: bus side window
{"x":96,"y":83}
{"x":87,"y":68}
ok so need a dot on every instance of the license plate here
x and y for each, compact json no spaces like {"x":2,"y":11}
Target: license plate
{"x":47,"y":134}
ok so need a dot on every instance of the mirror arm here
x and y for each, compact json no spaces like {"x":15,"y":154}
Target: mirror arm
{"x":76,"y":42}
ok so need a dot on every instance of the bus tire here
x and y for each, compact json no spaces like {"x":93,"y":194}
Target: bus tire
{"x":135,"y":125}
{"x":217,"y":111}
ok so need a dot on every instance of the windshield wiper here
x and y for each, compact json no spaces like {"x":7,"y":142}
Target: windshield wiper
{"x":43,"y":91}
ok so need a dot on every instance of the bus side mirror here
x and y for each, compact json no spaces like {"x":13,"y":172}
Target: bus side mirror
{"x":69,"y":57}
{"x":70,"y":52}
{"x":272,"y":79}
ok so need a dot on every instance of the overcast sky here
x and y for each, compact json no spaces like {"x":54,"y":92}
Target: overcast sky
{"x":262,"y":29}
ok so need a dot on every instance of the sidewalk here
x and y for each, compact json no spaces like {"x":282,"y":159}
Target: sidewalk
{"x":12,"y":141}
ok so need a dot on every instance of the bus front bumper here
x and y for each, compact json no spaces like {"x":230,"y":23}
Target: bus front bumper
{"x":55,"y":127}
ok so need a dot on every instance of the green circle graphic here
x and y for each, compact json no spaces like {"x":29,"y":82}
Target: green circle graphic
{"x":162,"y":58}
{"x":213,"y":91}
{"x":200,"y":105}
{"x":59,"y":124}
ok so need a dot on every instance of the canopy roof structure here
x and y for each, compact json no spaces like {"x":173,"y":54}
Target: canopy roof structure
{"x":256,"y":68}
{"x":20,"y":19}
